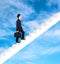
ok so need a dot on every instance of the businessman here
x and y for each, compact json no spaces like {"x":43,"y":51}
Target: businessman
{"x":19,"y":27}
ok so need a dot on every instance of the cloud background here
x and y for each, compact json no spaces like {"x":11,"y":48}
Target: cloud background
{"x":46,"y":48}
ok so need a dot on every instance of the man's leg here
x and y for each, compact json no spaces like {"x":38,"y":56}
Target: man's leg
{"x":22,"y":35}
{"x":16,"y":39}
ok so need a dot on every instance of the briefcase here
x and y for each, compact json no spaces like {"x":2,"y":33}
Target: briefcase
{"x":17,"y":34}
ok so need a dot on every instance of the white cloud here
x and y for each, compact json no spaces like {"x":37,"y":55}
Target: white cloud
{"x":24,"y":9}
{"x":51,"y":50}
{"x":2,"y":49}
{"x":4,"y":32}
{"x":51,"y":2}
{"x":44,"y":15}
{"x":51,"y":33}
{"x":31,"y":25}
{"x":30,"y":63}
{"x":32,"y":53}
{"x":9,"y":9}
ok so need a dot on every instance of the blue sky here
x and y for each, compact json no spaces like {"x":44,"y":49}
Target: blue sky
{"x":46,"y":48}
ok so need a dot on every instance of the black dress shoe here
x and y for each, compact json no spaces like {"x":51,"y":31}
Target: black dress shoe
{"x":17,"y":42}
{"x":23,"y":38}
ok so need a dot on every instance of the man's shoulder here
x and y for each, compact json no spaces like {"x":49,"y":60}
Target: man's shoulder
{"x":18,"y":20}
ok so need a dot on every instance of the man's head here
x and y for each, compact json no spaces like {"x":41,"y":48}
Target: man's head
{"x":19,"y":16}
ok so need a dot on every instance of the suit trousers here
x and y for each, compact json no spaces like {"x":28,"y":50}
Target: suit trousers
{"x":22,"y":36}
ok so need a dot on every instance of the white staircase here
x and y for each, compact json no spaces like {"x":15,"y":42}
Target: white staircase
{"x":32,"y":36}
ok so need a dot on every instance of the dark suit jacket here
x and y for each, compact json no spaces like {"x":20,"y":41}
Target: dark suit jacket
{"x":18,"y":25}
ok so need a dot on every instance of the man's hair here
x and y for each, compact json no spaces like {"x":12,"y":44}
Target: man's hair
{"x":18,"y":15}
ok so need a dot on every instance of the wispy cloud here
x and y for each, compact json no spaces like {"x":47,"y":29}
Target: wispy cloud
{"x":51,"y":50}
{"x":10,"y":11}
{"x":55,"y":2}
{"x":21,"y":7}
{"x":31,"y":25}
{"x":55,"y":32}
{"x":30,"y":63}
{"x":5,"y":32}
{"x":2,"y":50}
{"x":33,"y":53}
{"x":25,"y":10}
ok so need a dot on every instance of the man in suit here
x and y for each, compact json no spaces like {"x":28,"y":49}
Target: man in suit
{"x":19,"y":27}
